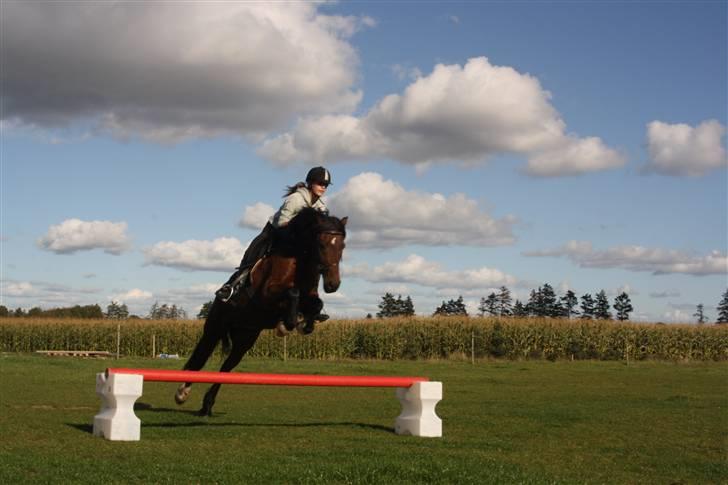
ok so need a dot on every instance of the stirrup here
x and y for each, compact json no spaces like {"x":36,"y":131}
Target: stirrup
{"x":225,"y":292}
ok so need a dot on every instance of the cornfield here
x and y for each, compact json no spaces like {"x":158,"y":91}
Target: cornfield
{"x":390,"y":339}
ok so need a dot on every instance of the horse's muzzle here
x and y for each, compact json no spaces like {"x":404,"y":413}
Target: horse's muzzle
{"x":331,"y":286}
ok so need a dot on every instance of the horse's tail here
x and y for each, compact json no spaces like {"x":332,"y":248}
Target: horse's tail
{"x":213,"y":332}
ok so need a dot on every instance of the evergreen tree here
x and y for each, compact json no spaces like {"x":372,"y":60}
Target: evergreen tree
{"x":409,"y":307}
{"x":204,"y":311}
{"x":488,"y":305}
{"x":700,"y":314}
{"x":568,"y":302}
{"x":723,"y":309}
{"x":534,"y":307}
{"x":623,"y":305}
{"x":519,"y":309}
{"x":386,"y":306}
{"x":587,"y":307}
{"x":601,"y":307}
{"x":451,"y":308}
{"x":549,"y":305}
{"x":116,"y":311}
{"x":504,"y":302}
{"x":395,"y":307}
{"x":166,"y":312}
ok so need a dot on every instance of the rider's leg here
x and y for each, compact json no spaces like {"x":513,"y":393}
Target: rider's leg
{"x":257,"y":249}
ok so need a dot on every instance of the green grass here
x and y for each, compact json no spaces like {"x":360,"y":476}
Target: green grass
{"x":503,"y":422}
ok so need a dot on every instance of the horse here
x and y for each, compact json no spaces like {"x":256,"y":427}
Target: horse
{"x":282,"y":294}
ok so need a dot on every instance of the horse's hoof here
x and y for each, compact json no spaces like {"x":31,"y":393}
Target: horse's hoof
{"x":204,"y":413}
{"x":183,"y":392}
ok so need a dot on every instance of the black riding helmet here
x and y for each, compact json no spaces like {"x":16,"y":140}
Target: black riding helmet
{"x":319,"y":175}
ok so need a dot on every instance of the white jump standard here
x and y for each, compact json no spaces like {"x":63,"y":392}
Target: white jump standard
{"x":120,"y":388}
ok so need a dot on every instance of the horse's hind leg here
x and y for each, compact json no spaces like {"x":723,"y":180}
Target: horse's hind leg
{"x":241,"y":344}
{"x":211,"y":335}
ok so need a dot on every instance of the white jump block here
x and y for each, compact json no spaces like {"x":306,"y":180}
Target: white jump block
{"x":116,"y":420}
{"x":418,"y":416}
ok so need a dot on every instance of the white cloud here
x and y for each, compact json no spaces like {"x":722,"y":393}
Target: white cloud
{"x":403,"y":72}
{"x":133,"y":295}
{"x":256,"y":216}
{"x":639,"y":258}
{"x":221,"y":254}
{"x":171,"y":71}
{"x":678,"y":316}
{"x":467,"y":113}
{"x":382,"y":214}
{"x":665,"y":294}
{"x":74,"y":235}
{"x":682,"y":150}
{"x":18,"y":288}
{"x":44,"y":294}
{"x":204,"y":291}
{"x":416,"y":270}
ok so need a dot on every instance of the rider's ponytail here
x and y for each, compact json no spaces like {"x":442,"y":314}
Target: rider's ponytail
{"x":291,"y":189}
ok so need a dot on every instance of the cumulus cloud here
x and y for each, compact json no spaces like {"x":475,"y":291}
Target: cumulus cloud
{"x":417,"y":270}
{"x":683,"y":150}
{"x":467,"y":113}
{"x":256,"y":216}
{"x":383,"y":214}
{"x":133,"y":295}
{"x":44,"y":294}
{"x":74,"y":235}
{"x":18,"y":288}
{"x":221,"y":254}
{"x":639,"y":258}
{"x":172,"y":71}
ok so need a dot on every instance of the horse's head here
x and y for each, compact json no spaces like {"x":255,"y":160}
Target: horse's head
{"x":321,"y":239}
{"x":330,"y":244}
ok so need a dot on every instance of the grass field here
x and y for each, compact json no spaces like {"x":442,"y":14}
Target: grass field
{"x":503,"y":422}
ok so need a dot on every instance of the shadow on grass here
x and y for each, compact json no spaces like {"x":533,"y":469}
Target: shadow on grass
{"x":88,"y":428}
{"x":203,"y":421}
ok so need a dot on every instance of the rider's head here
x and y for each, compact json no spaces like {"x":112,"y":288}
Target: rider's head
{"x":317,"y":180}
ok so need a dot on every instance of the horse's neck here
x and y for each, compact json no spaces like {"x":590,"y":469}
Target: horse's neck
{"x":307,"y":276}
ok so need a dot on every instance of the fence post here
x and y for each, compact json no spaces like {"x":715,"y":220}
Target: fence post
{"x":285,"y":348}
{"x":118,"y":339}
{"x":154,"y":345}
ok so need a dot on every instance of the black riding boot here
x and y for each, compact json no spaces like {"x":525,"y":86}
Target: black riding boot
{"x":230,"y":291}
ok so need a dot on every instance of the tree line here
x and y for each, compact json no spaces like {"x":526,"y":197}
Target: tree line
{"x":115,"y":311}
{"x":542,"y":302}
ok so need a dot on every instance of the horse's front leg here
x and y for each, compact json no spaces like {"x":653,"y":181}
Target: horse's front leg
{"x":242,"y":342}
{"x":311,"y":307}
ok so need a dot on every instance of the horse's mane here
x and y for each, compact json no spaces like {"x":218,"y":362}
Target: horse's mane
{"x":312,"y":220}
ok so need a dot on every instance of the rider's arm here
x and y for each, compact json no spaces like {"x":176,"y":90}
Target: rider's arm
{"x":292,"y":206}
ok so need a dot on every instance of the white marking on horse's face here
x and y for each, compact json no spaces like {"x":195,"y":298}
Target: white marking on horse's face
{"x":333,"y":240}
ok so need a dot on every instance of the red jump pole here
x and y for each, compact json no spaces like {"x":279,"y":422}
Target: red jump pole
{"x":159,"y":375}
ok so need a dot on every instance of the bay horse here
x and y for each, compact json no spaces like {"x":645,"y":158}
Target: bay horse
{"x":282,"y":294}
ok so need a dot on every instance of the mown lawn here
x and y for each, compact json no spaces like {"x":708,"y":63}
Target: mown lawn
{"x":503,"y":422}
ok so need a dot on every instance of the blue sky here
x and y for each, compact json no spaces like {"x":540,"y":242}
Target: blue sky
{"x":472,"y":145}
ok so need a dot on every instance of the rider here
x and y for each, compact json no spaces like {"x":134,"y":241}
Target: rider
{"x":297,"y":197}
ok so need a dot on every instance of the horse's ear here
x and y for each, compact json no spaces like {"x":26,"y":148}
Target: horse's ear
{"x":344,"y":220}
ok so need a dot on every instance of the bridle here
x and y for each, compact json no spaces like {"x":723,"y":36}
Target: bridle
{"x":321,"y":267}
